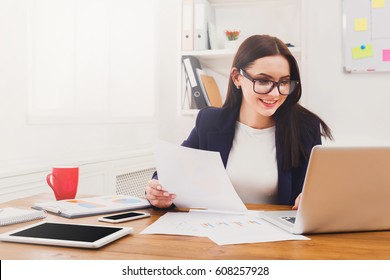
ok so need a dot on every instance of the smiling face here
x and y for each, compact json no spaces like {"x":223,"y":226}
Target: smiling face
{"x":257,"y":109}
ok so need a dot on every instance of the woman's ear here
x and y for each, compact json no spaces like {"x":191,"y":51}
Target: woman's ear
{"x":234,"y":74}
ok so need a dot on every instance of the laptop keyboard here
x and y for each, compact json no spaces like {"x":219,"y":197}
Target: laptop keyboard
{"x":289,"y":219}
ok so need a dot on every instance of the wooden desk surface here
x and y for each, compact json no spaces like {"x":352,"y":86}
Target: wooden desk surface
{"x":351,"y":246}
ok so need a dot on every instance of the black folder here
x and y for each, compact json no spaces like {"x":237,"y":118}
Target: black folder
{"x":191,"y":63}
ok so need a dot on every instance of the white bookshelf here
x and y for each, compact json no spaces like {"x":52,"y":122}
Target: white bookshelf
{"x":280,"y":18}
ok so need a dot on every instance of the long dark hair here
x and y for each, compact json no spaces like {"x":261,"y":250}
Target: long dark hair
{"x":291,"y":119}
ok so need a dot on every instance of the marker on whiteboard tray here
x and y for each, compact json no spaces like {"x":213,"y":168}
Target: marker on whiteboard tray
{"x":371,"y":70}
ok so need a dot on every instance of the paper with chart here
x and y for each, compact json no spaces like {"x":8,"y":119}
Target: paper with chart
{"x":197,"y":177}
{"x":221,"y":228}
{"x":89,"y":206}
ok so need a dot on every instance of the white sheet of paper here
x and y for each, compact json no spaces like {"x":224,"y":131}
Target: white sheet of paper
{"x":221,"y":228}
{"x":176,"y":223}
{"x":197,"y":177}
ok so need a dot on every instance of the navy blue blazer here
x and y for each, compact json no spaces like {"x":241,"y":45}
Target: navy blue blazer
{"x":214,"y":131}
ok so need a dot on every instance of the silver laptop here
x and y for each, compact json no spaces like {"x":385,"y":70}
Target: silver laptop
{"x":346,"y":189}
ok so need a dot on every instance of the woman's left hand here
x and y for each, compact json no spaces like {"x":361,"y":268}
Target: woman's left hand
{"x":297,"y":200}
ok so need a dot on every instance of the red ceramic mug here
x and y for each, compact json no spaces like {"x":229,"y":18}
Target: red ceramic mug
{"x":63,"y":181}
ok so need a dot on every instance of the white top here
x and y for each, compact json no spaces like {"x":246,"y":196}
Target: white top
{"x":252,"y":166}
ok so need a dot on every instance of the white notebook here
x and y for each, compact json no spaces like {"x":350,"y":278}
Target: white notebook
{"x":12,"y":215}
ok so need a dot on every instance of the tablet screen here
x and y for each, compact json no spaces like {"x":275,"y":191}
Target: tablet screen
{"x":84,"y":233}
{"x":63,"y":234}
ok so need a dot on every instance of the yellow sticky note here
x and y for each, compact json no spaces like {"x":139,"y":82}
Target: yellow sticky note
{"x":360,"y":24}
{"x":378,"y":3}
{"x":362,"y":51}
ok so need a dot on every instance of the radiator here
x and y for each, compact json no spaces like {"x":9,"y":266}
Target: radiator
{"x":134,"y":183}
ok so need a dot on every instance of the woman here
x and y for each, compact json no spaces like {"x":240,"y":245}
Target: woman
{"x":263,"y":135}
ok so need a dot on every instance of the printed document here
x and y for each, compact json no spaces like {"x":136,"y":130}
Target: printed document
{"x":199,"y":180}
{"x":197,"y":177}
{"x":223,"y":229}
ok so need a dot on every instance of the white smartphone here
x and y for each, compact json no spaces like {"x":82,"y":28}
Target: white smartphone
{"x":124,"y":217}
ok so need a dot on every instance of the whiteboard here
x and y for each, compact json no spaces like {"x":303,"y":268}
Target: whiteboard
{"x":366,"y":35}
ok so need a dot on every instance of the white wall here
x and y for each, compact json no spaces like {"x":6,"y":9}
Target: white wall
{"x":356,"y":106}
{"x":24,"y":145}
{"x":102,"y":148}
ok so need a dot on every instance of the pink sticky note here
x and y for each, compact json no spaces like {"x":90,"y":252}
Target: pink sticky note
{"x":386,"y":55}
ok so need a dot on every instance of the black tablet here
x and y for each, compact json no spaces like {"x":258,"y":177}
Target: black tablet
{"x":64,"y":234}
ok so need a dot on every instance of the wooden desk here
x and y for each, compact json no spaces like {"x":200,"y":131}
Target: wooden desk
{"x":352,"y":246}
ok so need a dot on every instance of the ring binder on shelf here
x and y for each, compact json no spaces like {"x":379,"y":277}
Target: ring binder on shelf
{"x":187,"y":98}
{"x":191,"y":63}
{"x":187,"y":39}
{"x":204,"y":17}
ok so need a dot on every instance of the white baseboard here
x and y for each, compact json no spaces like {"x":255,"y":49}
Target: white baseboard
{"x":97,"y":175}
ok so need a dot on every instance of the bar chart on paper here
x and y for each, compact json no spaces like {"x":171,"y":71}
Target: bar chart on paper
{"x":221,"y":228}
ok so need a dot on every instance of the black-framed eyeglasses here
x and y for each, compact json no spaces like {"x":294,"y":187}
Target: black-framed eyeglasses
{"x":265,"y":86}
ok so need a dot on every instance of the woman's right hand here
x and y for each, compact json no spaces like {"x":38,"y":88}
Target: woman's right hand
{"x":157,"y":196}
